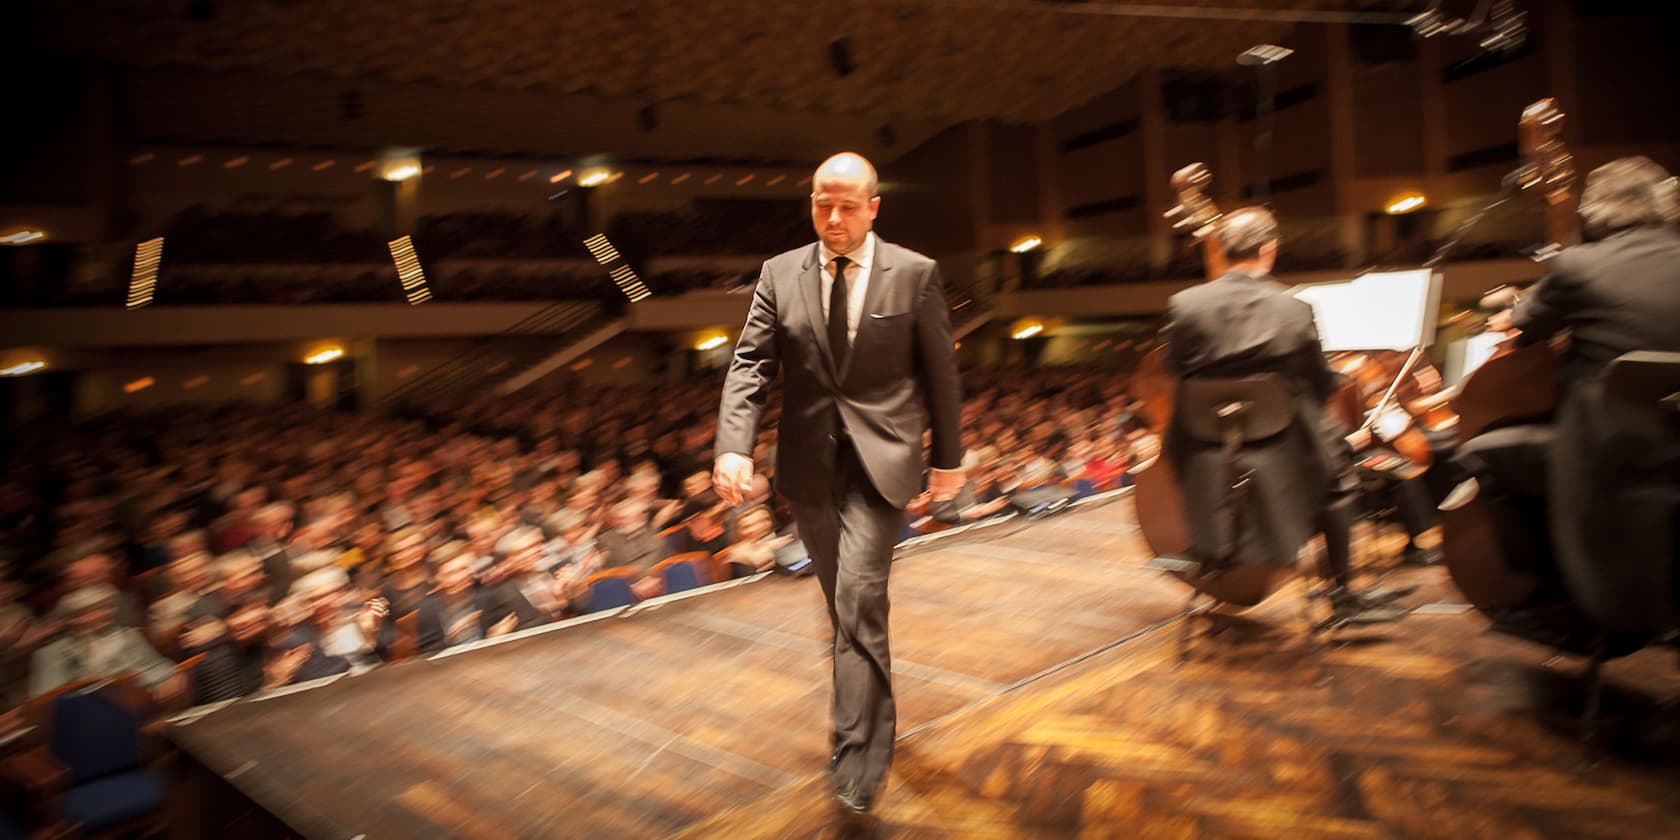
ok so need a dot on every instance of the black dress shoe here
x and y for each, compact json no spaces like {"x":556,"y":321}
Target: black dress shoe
{"x":1371,"y":608}
{"x":857,"y":803}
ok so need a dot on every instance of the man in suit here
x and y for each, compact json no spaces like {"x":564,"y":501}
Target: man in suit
{"x":1245,"y":323}
{"x":860,"y":331}
{"x":1617,"y":293}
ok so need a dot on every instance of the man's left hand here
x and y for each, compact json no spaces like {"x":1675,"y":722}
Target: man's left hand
{"x":943,"y":485}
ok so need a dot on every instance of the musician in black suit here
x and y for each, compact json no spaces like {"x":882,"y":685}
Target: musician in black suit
{"x":1619,"y":292}
{"x":859,"y":329}
{"x":1244,"y":323}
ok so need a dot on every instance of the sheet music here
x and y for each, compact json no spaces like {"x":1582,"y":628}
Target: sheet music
{"x":1391,"y":310}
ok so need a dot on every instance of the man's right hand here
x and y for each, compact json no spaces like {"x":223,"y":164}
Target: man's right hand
{"x":731,"y":475}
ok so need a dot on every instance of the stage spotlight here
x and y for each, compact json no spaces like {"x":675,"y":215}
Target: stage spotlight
{"x":1025,"y":244}
{"x":409,"y":271}
{"x":595,"y":178}
{"x":1027,"y":331}
{"x":142,"y":283}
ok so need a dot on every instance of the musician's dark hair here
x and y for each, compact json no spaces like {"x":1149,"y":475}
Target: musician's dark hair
{"x":1627,"y":193}
{"x":1244,"y":232}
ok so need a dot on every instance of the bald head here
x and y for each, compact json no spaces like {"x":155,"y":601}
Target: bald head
{"x":843,"y":202}
{"x":847,"y":168}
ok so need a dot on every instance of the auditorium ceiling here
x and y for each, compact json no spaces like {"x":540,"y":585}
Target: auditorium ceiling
{"x":947,"y":60}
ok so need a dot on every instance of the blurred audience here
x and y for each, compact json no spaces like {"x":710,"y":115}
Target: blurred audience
{"x":221,"y":550}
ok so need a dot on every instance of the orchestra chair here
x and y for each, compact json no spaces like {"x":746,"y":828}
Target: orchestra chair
{"x":1617,"y":551}
{"x":1232,"y":413}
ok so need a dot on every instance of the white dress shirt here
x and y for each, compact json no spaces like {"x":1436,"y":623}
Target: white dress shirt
{"x":857,"y":282}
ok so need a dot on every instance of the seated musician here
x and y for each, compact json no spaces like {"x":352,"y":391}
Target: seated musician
{"x":1246,"y":323}
{"x":1618,"y":293}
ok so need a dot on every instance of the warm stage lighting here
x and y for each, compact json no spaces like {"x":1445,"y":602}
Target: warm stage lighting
{"x":1401,"y":205}
{"x":22,"y":237}
{"x":140,"y":384}
{"x":623,"y":275}
{"x":409,"y":271}
{"x":142,"y":283}
{"x":1025,"y":244}
{"x":401,"y":173}
{"x":1027,"y":331}
{"x":712,"y":343}
{"x":601,"y":248}
{"x":324,"y":355}
{"x":595,"y":178}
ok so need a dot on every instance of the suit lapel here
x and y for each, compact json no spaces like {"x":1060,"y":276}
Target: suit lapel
{"x":810,"y":291}
{"x":872,"y":295}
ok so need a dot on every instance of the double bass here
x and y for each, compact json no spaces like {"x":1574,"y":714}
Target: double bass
{"x":1158,"y":490}
{"x":1490,"y":567}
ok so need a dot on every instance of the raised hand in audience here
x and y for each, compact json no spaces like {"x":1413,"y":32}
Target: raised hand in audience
{"x":282,"y":669}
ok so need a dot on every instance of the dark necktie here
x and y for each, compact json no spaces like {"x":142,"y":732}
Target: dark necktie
{"x":837,"y":338}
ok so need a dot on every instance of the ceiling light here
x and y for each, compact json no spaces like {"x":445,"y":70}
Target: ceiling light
{"x":23,"y":237}
{"x":594,"y":179}
{"x":1263,"y":54}
{"x":711,"y":343}
{"x":23,"y":368}
{"x":1025,"y":244}
{"x":401,"y":172}
{"x":1403,"y":204}
{"x":1027,"y":331}
{"x":324,"y":355}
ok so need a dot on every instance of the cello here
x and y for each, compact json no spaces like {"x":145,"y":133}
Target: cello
{"x":1158,"y":490}
{"x":1516,"y":384}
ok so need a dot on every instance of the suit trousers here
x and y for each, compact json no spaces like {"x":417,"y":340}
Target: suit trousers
{"x":850,"y":537}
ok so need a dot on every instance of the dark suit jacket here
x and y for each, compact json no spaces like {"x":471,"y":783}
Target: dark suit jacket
{"x":1615,"y":296}
{"x":901,"y":362}
{"x":1613,"y":519}
{"x":1240,"y":325}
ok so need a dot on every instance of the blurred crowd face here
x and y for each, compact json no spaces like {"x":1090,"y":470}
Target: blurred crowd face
{"x":754,"y":525}
{"x":247,"y":624}
{"x":95,"y":619}
{"x":242,"y":574}
{"x":454,"y":576}
{"x":92,"y":570}
{"x":407,"y":548}
{"x":191,"y":573}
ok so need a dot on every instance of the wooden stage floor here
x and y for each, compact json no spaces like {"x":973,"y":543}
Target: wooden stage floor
{"x":1039,"y":695}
